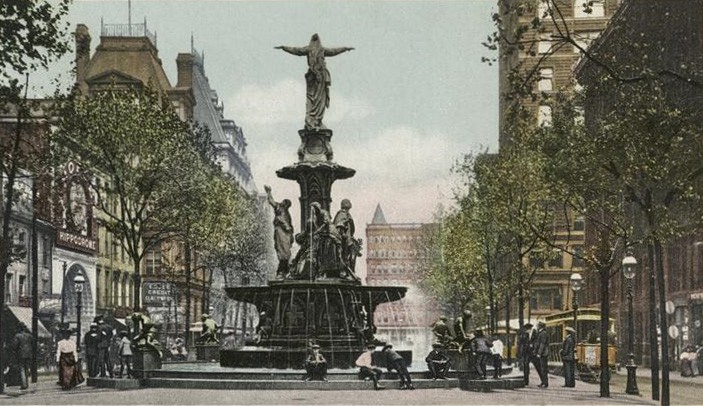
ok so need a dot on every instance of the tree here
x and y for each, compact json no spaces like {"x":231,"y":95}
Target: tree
{"x":32,"y":34}
{"x":138,"y":150}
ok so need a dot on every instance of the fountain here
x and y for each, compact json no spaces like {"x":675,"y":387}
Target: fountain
{"x":316,"y":298}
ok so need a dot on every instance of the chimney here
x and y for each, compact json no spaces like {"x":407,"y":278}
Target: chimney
{"x":184,"y":62}
{"x":82,"y":37}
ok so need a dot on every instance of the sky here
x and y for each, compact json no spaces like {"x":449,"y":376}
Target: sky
{"x":409,"y":101}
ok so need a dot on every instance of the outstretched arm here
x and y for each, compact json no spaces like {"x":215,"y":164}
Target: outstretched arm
{"x":293,"y":50}
{"x":336,"y":51}
{"x":269,"y":197}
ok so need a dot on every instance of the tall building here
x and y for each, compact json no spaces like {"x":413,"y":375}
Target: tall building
{"x":670,"y":38}
{"x":392,"y":258}
{"x":555,"y":62}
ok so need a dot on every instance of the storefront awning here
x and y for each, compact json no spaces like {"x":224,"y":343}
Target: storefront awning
{"x":24,"y":315}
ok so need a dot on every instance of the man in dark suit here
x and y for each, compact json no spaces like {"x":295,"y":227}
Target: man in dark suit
{"x":524,"y":343}
{"x":91,"y":340}
{"x":542,"y":354}
{"x":567,"y":358}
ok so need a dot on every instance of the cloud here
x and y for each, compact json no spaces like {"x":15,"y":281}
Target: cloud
{"x":284,"y":102}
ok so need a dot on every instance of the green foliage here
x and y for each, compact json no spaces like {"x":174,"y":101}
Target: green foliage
{"x":138,"y":151}
{"x":32,"y":34}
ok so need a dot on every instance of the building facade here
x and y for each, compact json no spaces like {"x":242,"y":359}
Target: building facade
{"x":554,"y":63}
{"x":392,"y":259}
{"x":670,"y":39}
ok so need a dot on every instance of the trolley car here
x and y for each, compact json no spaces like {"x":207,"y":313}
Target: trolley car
{"x":587,"y":341}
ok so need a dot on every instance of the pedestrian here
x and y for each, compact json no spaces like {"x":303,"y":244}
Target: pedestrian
{"x":397,"y":362}
{"x":525,"y":350}
{"x":22,"y":348}
{"x":104,"y":360}
{"x":67,"y":358}
{"x":568,"y":359}
{"x":688,"y":362}
{"x":91,"y":341}
{"x":497,"y":354}
{"x":366,"y":367}
{"x":437,"y":362}
{"x":316,"y":365}
{"x":125,"y":352}
{"x":481,"y":348}
{"x":541,"y":346}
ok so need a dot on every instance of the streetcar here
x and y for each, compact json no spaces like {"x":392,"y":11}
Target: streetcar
{"x":587,"y":341}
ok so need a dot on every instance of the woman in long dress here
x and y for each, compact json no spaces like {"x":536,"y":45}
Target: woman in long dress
{"x":66,"y":356}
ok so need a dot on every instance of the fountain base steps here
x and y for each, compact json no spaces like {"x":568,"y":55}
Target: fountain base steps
{"x":242,"y":379}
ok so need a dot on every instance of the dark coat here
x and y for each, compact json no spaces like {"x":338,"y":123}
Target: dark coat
{"x":542,"y":343}
{"x":92,"y":340}
{"x":524,"y":343}
{"x":22,"y":345}
{"x":481,"y":345}
{"x":567,"y":348}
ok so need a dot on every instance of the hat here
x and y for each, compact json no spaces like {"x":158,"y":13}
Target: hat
{"x":528,"y":325}
{"x":370,"y":346}
{"x":570,"y":329}
{"x":540,"y":324}
{"x":204,"y":316}
{"x":387,"y":346}
{"x":315,"y":346}
{"x":434,"y":345}
{"x":443,"y":318}
{"x":93,"y":324}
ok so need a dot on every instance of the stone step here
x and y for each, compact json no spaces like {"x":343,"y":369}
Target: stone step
{"x":278,"y":376}
{"x":235,"y":384}
{"x":488,"y":385}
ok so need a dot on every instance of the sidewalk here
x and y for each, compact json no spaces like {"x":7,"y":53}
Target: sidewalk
{"x":674,"y":376}
{"x":45,"y":385}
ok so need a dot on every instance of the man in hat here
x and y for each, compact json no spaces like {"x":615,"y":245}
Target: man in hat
{"x":316,"y":365}
{"x":367,"y":368}
{"x":524,"y":349}
{"x":397,"y":362}
{"x":91,"y":340}
{"x":437,"y":362}
{"x":567,"y":357}
{"x":440,"y":329}
{"x":541,"y":346}
{"x":104,"y":360}
{"x":22,"y":348}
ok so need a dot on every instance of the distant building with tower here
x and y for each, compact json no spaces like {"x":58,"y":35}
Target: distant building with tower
{"x":392,"y":259}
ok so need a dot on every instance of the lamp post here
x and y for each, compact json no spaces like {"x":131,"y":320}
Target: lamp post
{"x":63,"y":294}
{"x":629,"y":265}
{"x":576,"y":282}
{"x":78,"y":283}
{"x":489,"y":325}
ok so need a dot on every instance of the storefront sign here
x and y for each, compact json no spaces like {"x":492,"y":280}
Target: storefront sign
{"x":76,"y":241}
{"x":157,"y":293}
{"x":697,"y":296}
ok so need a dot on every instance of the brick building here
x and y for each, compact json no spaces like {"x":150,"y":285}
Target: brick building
{"x":550,"y":291}
{"x":392,"y":259}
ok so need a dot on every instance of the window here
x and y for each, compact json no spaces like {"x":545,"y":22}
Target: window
{"x":153,"y":261}
{"x":8,"y":291}
{"x":46,"y":253}
{"x":22,"y":280}
{"x":544,"y":116}
{"x":577,"y":258}
{"x":543,"y":9}
{"x":546,"y":77}
{"x":98,"y":288}
{"x":579,"y":223}
{"x":557,"y":260}
{"x":545,"y":43}
{"x":546,"y":299}
{"x":582,"y":8}
{"x":584,"y":39}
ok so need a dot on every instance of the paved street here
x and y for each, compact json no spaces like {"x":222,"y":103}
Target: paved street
{"x":46,"y":392}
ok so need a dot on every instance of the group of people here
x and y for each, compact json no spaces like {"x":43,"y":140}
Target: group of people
{"x":98,"y":350}
{"x":690,"y":360}
{"x":533,"y":347}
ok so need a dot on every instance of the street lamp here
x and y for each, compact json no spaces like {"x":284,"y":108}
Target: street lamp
{"x":629,"y":265}
{"x":489,"y":323}
{"x":78,"y":283}
{"x":63,"y":294}
{"x":576,"y":282}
